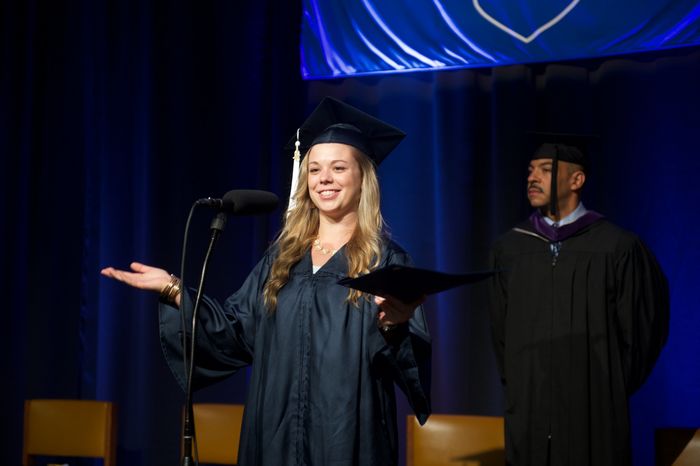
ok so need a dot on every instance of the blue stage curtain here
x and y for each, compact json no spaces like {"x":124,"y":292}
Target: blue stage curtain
{"x":350,"y":38}
{"x":116,"y":115}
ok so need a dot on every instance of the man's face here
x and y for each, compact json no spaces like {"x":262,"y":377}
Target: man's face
{"x":539,"y":181}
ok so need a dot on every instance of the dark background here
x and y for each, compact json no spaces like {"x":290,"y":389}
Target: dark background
{"x":116,"y":115}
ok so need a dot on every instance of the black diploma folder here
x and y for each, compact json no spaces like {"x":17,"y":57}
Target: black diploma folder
{"x":409,"y":283}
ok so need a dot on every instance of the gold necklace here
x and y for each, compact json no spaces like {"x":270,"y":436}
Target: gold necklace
{"x":324,"y":251}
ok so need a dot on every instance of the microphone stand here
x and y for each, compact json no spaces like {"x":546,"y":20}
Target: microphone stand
{"x":217,"y":226}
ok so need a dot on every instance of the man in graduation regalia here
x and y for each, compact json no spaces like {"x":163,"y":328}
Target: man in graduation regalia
{"x":579,"y":316}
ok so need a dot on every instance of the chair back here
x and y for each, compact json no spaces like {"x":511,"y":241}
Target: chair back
{"x":75,"y":428}
{"x":455,"y":440}
{"x":677,"y":446}
{"x":218,"y":430}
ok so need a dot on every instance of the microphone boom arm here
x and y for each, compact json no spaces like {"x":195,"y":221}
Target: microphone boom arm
{"x":217,"y":226}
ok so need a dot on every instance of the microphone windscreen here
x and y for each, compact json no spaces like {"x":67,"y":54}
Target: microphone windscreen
{"x":249,"y":202}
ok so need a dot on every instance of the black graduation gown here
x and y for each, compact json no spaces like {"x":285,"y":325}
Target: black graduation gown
{"x":574,"y":338}
{"x":322,"y":385}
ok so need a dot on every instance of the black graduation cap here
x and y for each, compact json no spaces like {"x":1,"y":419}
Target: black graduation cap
{"x":569,"y":147}
{"x":336,"y":121}
{"x":409,"y":283}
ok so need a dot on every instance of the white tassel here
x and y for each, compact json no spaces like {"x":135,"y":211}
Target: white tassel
{"x":295,"y":174}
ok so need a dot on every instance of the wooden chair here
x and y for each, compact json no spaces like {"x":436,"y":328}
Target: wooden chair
{"x":455,"y":440}
{"x":218,"y":431}
{"x":69,"y":428}
{"x":677,"y":446}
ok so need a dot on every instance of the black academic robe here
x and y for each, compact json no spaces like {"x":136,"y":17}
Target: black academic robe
{"x":574,"y":335}
{"x":322,"y":386}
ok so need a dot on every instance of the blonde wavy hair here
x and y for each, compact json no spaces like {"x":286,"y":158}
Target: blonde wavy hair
{"x":363,"y":250}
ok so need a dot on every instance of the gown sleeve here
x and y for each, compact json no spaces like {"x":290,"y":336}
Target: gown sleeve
{"x":407,"y":352}
{"x":643,"y":308}
{"x":225,"y":336}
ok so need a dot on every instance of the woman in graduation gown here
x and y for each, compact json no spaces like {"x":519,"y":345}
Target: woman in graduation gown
{"x":325,"y":359}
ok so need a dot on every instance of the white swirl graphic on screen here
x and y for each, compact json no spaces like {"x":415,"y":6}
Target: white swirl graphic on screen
{"x":517,"y":35}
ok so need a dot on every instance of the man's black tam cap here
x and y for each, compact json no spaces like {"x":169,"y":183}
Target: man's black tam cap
{"x":568,"y":147}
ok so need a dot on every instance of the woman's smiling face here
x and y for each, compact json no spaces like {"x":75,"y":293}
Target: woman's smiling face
{"x":335,"y":179}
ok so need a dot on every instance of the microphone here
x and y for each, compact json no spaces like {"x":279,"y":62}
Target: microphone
{"x":243,"y":202}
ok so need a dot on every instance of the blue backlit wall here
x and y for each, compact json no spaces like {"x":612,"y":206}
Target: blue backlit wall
{"x":355,"y":37}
